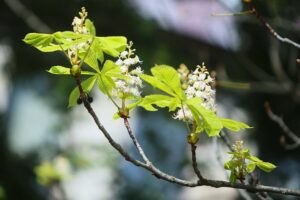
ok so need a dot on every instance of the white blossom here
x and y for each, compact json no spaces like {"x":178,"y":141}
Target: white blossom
{"x":199,"y":85}
{"x":132,"y":85}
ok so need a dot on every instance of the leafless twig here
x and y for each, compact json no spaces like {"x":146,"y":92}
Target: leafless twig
{"x":284,"y":127}
{"x":270,"y":29}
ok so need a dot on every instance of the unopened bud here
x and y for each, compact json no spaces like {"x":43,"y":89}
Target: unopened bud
{"x":192,"y":138}
{"x":75,"y":70}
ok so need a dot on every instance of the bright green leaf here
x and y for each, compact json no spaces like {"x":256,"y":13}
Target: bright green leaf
{"x":112,"y":45}
{"x":105,"y":84}
{"x":160,"y":101}
{"x":169,"y":76}
{"x":38,"y":39}
{"x":60,"y":70}
{"x":157,"y":84}
{"x":233,"y":125}
{"x":90,"y":27}
{"x":251,"y":167}
{"x":266,"y":166}
{"x":87,"y":86}
{"x":211,"y":123}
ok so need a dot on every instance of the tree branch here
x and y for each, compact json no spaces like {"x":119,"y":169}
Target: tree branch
{"x":270,"y":29}
{"x":284,"y":127}
{"x":135,"y":141}
{"x":161,"y":175}
{"x":194,"y":161}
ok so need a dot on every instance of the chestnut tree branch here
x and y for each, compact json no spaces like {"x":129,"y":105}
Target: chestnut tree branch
{"x":161,"y":175}
{"x":194,"y":161}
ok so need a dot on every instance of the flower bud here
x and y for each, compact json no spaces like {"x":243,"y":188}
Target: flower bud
{"x":192,"y":138}
{"x":75,"y":70}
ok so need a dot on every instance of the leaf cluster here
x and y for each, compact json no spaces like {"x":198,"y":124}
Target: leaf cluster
{"x":242,"y":163}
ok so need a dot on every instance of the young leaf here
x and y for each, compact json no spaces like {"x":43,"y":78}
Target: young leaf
{"x":60,"y":70}
{"x":265,"y":166}
{"x":38,"y":39}
{"x":251,"y":167}
{"x":105,"y":83}
{"x":160,"y":101}
{"x":112,"y":45}
{"x":157,"y":83}
{"x":90,"y":27}
{"x":90,"y":59}
{"x":87,"y":86}
{"x":211,"y":123}
{"x":233,"y":125}
{"x":169,"y":76}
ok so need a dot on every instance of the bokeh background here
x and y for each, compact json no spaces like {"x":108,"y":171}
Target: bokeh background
{"x":252,"y":67}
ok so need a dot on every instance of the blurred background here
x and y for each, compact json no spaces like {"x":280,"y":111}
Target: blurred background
{"x":48,"y":151}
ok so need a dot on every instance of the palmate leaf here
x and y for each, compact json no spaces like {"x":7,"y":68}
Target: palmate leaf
{"x":169,"y":76}
{"x":161,"y":101}
{"x":166,"y":79}
{"x":105,"y":81}
{"x":233,"y":125}
{"x":60,"y":70}
{"x":112,"y":45}
{"x":265,"y":166}
{"x":38,"y":39}
{"x":87,"y":86}
{"x":209,"y":121}
{"x":90,"y":27}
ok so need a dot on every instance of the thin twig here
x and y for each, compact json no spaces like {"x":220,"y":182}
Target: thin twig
{"x":284,"y":127}
{"x":135,"y":141}
{"x":194,"y":161}
{"x":271,"y":30}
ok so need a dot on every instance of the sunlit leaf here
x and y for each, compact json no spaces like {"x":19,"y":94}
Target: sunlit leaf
{"x":60,"y":70}
{"x":160,"y":101}
{"x":112,"y":45}
{"x":169,"y":76}
{"x":211,"y":123}
{"x":233,"y":125}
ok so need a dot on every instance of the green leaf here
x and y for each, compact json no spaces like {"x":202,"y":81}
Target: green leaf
{"x":38,"y":39}
{"x":251,"y":167}
{"x":161,"y":101}
{"x":228,"y":165}
{"x":233,"y":125}
{"x":112,"y":45}
{"x":87,"y":86}
{"x":265,"y":166}
{"x":90,"y":59}
{"x":156,"y":83}
{"x":105,"y":84}
{"x":169,"y":76}
{"x":60,"y":70}
{"x":97,"y":51}
{"x":90,"y":27}
{"x":211,"y":123}
{"x":232,"y":178}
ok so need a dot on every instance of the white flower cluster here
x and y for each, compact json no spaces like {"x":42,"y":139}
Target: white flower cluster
{"x":199,"y":84}
{"x":80,"y":28}
{"x":132,"y":84}
{"x":79,"y":23}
